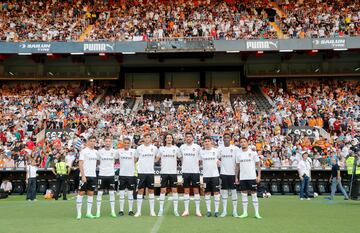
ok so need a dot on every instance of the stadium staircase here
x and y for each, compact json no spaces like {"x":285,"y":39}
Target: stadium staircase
{"x":85,"y":33}
{"x":275,"y":25}
{"x":278,"y":30}
{"x":256,"y":95}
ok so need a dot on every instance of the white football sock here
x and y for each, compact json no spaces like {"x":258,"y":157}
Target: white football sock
{"x":151,"y":202}
{"x":79,"y":200}
{"x":139,"y":202}
{"x":162,"y":201}
{"x":121,"y":200}
{"x":186,"y":202}
{"x":98,"y":202}
{"x":234,"y":198}
{"x":130,"y":199}
{"x":244,"y":198}
{"x":208,"y":202}
{"x":224,"y":195}
{"x":176,"y":201}
{"x":217,"y":202}
{"x":255,"y":203}
{"x":197,"y":202}
{"x":112,"y":201}
{"x":90,"y":200}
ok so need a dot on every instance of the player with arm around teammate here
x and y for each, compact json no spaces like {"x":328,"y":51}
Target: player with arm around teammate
{"x":168,"y":155}
{"x":127,"y":179}
{"x":227,"y":155}
{"x":87,"y":165}
{"x":145,"y":156}
{"x":106,"y":180}
{"x":209,"y":157}
{"x":248,"y":163}
{"x":189,"y":153}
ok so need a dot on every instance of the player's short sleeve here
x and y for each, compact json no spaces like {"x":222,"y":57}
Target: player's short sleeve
{"x":177,"y":151}
{"x":159,"y":152}
{"x":256,"y":157}
{"x":198,"y":150}
{"x":237,"y":156}
{"x":137,"y":152}
{"x":82,"y":155}
{"x":117,"y":154}
{"x":218,"y":153}
{"x":181,"y":151}
{"x":98,"y":154}
{"x":201,"y":155}
{"x":156,"y":150}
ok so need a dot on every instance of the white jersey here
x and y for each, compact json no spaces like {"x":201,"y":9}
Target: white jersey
{"x":107,"y":161}
{"x":127,"y":163}
{"x":146,"y":155}
{"x":190,"y":158}
{"x":210,"y":158}
{"x":89,"y":156}
{"x":228,"y":159}
{"x":169,"y":157}
{"x":247,"y":160}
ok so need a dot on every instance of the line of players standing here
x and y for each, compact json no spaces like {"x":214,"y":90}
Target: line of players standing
{"x":237,"y":166}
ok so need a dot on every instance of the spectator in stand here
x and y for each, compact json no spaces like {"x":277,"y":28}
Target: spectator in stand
{"x":6,"y":186}
{"x":330,"y":19}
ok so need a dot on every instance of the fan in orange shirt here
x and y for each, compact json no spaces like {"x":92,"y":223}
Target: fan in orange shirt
{"x":312,"y":122}
{"x":319,"y":122}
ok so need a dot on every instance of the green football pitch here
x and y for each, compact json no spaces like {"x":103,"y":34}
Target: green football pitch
{"x":280,"y":214}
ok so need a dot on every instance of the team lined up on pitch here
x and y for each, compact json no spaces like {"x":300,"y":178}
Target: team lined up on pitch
{"x":237,"y":166}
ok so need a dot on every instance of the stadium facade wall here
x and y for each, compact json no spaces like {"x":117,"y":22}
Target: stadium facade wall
{"x":141,"y":47}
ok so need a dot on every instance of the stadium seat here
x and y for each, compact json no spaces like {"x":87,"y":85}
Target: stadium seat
{"x":297,"y":187}
{"x":286,"y":187}
{"x":18,"y":187}
{"x":52,"y":185}
{"x":3,"y":195}
{"x":41,"y":186}
{"x":275,"y":187}
{"x":321,"y":187}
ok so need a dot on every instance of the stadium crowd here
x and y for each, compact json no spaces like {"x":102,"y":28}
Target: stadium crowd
{"x":137,"y":20}
{"x":143,"y":20}
{"x":24,"y":115}
{"x":41,"y":20}
{"x":320,"y":18}
{"x":332,"y":106}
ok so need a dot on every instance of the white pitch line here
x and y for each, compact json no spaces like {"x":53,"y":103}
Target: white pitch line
{"x":158,"y":223}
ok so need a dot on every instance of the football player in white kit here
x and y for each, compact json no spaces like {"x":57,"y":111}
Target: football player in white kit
{"x":168,"y":155}
{"x":87,"y":165}
{"x":106,"y":179}
{"x":209,"y":157}
{"x":189,"y":153}
{"x":248,"y":163}
{"x":145,"y":156}
{"x":227,"y":155}
{"x":127,"y":179}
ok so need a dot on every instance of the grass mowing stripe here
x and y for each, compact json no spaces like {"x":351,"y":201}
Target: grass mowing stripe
{"x":158,"y":223}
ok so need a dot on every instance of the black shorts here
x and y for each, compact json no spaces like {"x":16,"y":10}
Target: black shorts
{"x":227,"y":182}
{"x":106,"y":182}
{"x":145,"y":181}
{"x":168,"y":180}
{"x":127,"y":182}
{"x":89,"y":185}
{"x":248,"y":185}
{"x":191,"y":180}
{"x":212,"y":184}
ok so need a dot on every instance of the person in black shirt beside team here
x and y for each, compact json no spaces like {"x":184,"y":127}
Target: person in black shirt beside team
{"x":335,"y":180}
